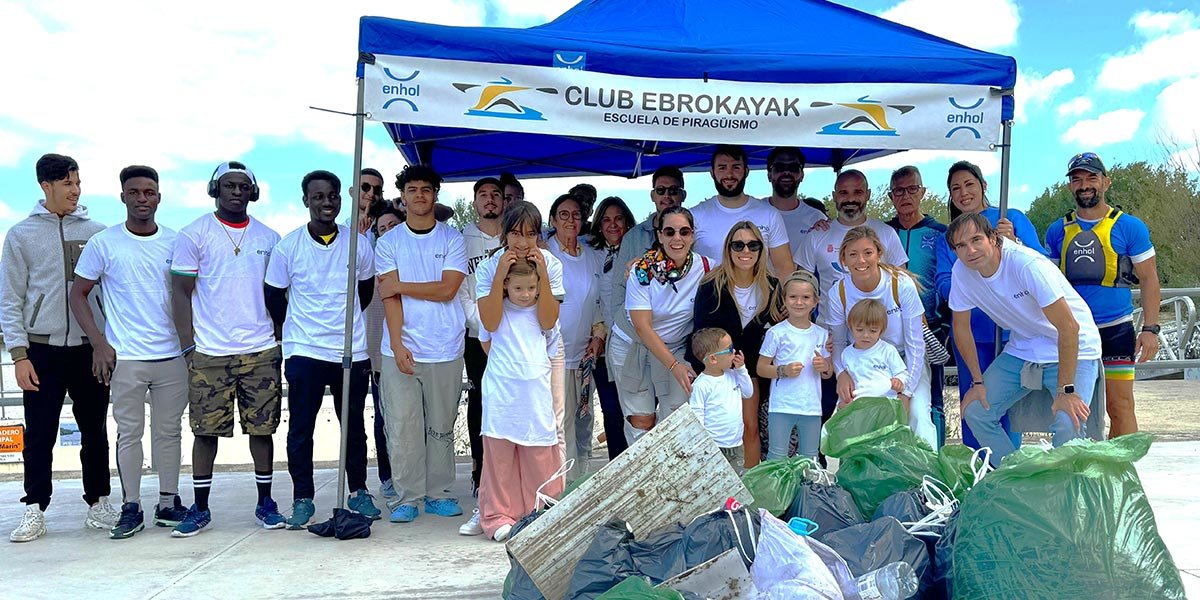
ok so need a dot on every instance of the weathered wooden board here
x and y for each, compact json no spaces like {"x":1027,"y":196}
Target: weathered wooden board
{"x":722,"y":578}
{"x":673,"y":473}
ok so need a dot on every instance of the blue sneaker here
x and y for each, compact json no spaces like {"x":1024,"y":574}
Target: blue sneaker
{"x":443,"y":507}
{"x":267,"y":515}
{"x":192,"y":523}
{"x":405,"y":513}
{"x":388,"y":490}
{"x":302,"y":514}
{"x":169,"y":516}
{"x":361,"y":503}
{"x":132,"y":521}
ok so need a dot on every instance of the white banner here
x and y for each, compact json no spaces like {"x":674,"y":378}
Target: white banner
{"x":567,"y":101}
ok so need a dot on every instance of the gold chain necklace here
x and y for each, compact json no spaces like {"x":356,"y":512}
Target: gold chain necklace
{"x":237,"y":246}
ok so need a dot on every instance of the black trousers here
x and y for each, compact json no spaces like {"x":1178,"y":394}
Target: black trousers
{"x":381,"y":451}
{"x":307,"y":379}
{"x":63,"y":370}
{"x":610,"y":407}
{"x":476,"y":362}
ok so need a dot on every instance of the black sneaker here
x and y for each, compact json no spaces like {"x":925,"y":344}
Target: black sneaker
{"x":169,"y":516}
{"x":131,"y":522}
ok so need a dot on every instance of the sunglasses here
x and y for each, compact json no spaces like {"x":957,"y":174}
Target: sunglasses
{"x":671,"y":231}
{"x":376,"y":189}
{"x":740,"y":246}
{"x":728,"y":350}
{"x":787,"y":167}
{"x":663,"y":190}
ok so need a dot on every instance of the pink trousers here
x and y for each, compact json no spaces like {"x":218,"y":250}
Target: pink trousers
{"x":510,"y":479}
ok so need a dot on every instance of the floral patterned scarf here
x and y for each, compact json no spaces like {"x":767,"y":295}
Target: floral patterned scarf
{"x":655,"y":265}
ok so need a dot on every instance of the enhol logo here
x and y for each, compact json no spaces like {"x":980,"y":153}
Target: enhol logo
{"x":963,"y":117}
{"x":870,"y":120}
{"x":495,"y":100}
{"x":403,"y":91}
{"x":565,"y":59}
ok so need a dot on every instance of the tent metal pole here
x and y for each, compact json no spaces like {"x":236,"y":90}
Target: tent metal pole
{"x":1005,"y":163}
{"x":351,"y":299}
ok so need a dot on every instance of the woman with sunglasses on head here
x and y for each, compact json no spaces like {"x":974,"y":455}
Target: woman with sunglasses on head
{"x":612,"y":222}
{"x":735,"y":296}
{"x":652,"y":376}
{"x":968,"y":194}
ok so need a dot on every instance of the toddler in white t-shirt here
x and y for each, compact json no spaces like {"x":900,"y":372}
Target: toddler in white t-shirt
{"x":875,"y":365}
{"x":718,"y":391}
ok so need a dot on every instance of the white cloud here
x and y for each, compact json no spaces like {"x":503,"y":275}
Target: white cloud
{"x":994,"y":23}
{"x":1109,"y":128}
{"x":12,"y":147}
{"x":1175,"y":114}
{"x":1170,"y":53}
{"x":1075,"y":107}
{"x":881,"y":168}
{"x":1023,"y":188}
{"x":1034,"y":90}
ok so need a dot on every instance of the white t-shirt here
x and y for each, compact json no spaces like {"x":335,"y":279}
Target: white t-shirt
{"x":874,"y":368}
{"x":316,"y":313}
{"x":786,"y":344}
{"x":714,"y":220}
{"x":1014,"y":297}
{"x":748,"y":300}
{"x":799,"y":222}
{"x":432,"y":331}
{"x":904,"y":329}
{"x":717,"y":401}
{"x":819,"y":255}
{"x":517,"y":405}
{"x":134,"y":272}
{"x":671,"y":306}
{"x":229,"y":309}
{"x":478,"y":245}
{"x":581,"y":306}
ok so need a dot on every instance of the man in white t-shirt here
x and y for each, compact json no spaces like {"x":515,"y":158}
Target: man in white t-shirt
{"x":480,"y":238}
{"x":717,"y":215}
{"x":306,"y":295}
{"x":421,"y":265}
{"x":219,"y":305}
{"x":1054,"y":343}
{"x":137,"y":354}
{"x":785,"y":171}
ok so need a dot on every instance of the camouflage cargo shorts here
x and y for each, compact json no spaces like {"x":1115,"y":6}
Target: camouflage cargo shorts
{"x":252,"y":381}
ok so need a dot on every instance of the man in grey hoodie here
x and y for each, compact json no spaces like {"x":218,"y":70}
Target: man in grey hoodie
{"x":53,"y":357}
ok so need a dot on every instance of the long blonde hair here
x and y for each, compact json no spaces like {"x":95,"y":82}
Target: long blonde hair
{"x":864,"y":232}
{"x":723,"y":275}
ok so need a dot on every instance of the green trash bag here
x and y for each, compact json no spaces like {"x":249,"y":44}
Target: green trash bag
{"x":863,"y":421}
{"x":873,"y":471}
{"x":775,"y":483}
{"x":1072,"y":522}
{"x":637,"y":588}
{"x":955,"y":469}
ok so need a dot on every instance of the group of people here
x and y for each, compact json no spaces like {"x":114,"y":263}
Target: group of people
{"x":763,"y":315}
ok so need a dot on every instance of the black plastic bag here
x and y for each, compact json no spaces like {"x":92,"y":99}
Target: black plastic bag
{"x":606,"y":562}
{"x":907,"y":506}
{"x":831,"y":507}
{"x":711,"y":534}
{"x":344,"y":525}
{"x":943,"y":563}
{"x":659,"y":555}
{"x":519,"y":585}
{"x":869,"y":546}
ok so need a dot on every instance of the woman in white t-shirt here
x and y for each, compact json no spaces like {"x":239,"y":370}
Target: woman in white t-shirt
{"x":653,"y":379}
{"x":519,"y":428}
{"x":862,"y":257}
{"x":581,"y":323}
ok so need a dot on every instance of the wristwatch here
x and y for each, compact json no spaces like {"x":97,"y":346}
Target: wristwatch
{"x":1152,"y":328}
{"x":1068,"y":389}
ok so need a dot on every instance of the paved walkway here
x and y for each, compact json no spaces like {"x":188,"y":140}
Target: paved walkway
{"x":425,"y":559}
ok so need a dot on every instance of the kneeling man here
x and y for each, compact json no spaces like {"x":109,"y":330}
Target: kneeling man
{"x":1054,"y":342}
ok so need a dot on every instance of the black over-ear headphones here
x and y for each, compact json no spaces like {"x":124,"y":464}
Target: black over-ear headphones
{"x":214,"y":189}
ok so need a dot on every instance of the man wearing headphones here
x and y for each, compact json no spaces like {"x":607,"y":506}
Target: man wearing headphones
{"x":217,"y":271}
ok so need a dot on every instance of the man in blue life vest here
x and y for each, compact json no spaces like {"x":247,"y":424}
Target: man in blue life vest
{"x":1103,"y":252}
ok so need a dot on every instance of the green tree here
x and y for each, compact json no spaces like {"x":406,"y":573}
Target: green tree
{"x":464,"y":213}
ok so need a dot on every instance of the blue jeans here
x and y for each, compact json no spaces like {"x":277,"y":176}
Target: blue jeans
{"x":779,"y":434}
{"x":1004,"y":389}
{"x":985,"y":351}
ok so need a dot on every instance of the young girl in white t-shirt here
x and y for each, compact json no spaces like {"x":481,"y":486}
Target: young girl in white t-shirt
{"x":519,"y":428}
{"x":874,"y":364}
{"x":794,"y":355}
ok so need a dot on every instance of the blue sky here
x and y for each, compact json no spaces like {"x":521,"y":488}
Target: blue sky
{"x":114,"y":84}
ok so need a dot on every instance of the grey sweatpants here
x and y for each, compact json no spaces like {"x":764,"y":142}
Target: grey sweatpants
{"x":419,"y":411}
{"x":164,"y":386}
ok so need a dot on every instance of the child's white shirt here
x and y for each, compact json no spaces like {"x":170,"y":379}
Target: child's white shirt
{"x":785,"y":344}
{"x":874,"y":368}
{"x":517,"y":405}
{"x":717,"y":401}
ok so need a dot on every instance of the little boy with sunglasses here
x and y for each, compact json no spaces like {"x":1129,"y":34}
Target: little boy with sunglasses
{"x":717,"y":392}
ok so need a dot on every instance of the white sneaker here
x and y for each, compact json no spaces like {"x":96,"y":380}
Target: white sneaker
{"x":102,"y":515}
{"x":32,"y":527}
{"x":502,"y":533}
{"x":471,"y":527}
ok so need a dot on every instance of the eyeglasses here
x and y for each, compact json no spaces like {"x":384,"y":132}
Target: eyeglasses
{"x":911,"y":190}
{"x":740,"y":246}
{"x":728,"y":350}
{"x":671,"y":231}
{"x":573,"y":215}
{"x":374,"y":189}
{"x":787,"y":167}
{"x":663,"y":190}
{"x":229,"y":185}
